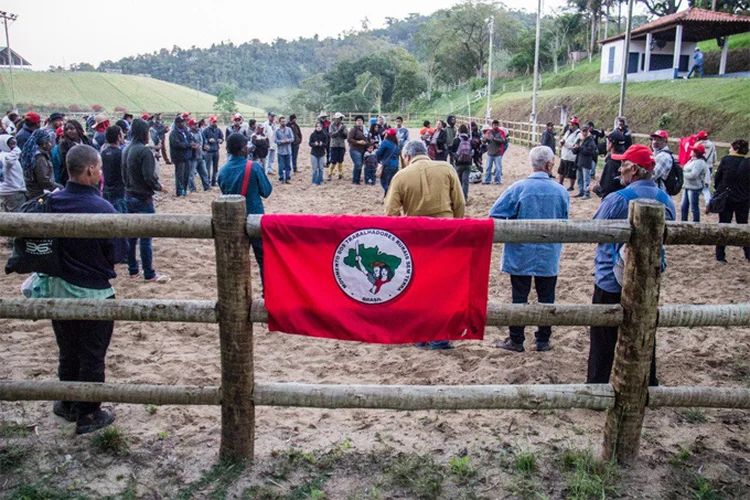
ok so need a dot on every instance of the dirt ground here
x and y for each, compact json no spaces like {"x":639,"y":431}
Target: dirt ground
{"x":309,"y":453}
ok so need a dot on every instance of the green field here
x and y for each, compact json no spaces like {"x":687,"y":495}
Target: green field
{"x":134,"y":93}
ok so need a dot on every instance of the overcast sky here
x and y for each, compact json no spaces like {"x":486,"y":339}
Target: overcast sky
{"x":62,"y":32}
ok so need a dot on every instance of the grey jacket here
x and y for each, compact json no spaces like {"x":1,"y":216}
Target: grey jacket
{"x":694,"y":174}
{"x":337,"y":135}
{"x":283,"y":138}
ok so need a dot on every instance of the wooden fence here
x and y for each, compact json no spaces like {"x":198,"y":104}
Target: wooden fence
{"x":625,"y":398}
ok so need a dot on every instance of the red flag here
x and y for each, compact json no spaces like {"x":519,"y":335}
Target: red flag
{"x":389,"y":280}
{"x":686,"y":147}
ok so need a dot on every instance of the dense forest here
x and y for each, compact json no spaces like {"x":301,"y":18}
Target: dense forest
{"x":413,"y":57}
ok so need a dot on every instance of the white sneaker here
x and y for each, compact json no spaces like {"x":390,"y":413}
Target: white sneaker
{"x":160,"y":278}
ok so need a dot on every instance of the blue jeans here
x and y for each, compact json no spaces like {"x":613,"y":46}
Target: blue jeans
{"x":295,"y":152}
{"x":136,"y":206}
{"x":386,"y":176}
{"x":211,"y":159}
{"x":198,"y":165}
{"x":497,"y":161}
{"x":269,"y":160}
{"x":357,"y":158}
{"x":285,"y":167}
{"x":584,"y":179}
{"x":699,"y":68}
{"x":318,"y":164}
{"x":119,"y":202}
{"x":435,"y":345}
{"x":691,"y":200}
{"x":593,"y":169}
{"x":371,"y":174}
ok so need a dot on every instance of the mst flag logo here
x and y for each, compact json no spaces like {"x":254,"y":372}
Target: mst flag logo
{"x":372,"y":266}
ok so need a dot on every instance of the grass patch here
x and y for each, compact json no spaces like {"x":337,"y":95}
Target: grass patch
{"x":694,"y":416}
{"x":40,"y":492}
{"x":110,"y":441}
{"x":152,"y":409}
{"x":256,"y":492}
{"x":702,"y":489}
{"x":12,"y":457}
{"x":10,"y":430}
{"x":462,"y":469}
{"x":525,"y":463}
{"x":681,"y":456}
{"x":218,"y":479}
{"x":587,"y":477}
{"x":419,"y":474}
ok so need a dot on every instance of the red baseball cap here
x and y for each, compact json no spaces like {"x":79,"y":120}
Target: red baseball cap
{"x":640,"y":155}
{"x":574,"y":120}
{"x":702,"y":134}
{"x":145,"y":116}
{"x":698,"y":148}
{"x":214,"y":119}
{"x":59,"y":132}
{"x":185,"y":115}
{"x":391,"y":131}
{"x":660,"y":133}
{"x":32,"y":117}
{"x":192,"y":122}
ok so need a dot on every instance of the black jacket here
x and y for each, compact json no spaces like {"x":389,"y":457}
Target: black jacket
{"x":322,"y":138}
{"x":609,"y":181}
{"x":139,"y":172}
{"x":733,"y":174}
{"x":179,"y":145}
{"x":586,"y":152}
{"x":548,"y":139}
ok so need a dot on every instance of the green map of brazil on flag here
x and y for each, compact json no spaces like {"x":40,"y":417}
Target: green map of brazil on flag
{"x":387,"y":280}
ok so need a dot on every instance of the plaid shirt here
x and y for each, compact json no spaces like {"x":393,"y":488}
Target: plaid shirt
{"x":664,"y":162}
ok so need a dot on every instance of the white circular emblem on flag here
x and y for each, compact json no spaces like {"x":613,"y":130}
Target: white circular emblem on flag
{"x":372,"y":266}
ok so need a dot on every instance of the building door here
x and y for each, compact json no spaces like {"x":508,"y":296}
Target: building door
{"x":633,"y":59}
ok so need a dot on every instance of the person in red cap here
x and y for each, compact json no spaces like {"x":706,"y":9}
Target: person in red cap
{"x":710,"y":157}
{"x":212,"y":138}
{"x":31,"y":122}
{"x":663,"y":157}
{"x":145,"y":116}
{"x":695,"y":180}
{"x":636,"y":174}
{"x":197,"y":163}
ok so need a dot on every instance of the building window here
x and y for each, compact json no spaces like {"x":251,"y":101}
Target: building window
{"x":611,"y":60}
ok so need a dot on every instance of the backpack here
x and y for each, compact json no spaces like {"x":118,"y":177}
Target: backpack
{"x":675,"y":178}
{"x":35,"y":255}
{"x":464,"y":153}
{"x":618,"y":249}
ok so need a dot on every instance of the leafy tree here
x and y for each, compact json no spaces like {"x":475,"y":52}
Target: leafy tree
{"x":225,"y":101}
{"x":730,"y":6}
{"x":662,"y":7}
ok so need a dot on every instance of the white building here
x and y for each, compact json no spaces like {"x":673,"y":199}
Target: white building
{"x":19,"y":63}
{"x":663,"y":49}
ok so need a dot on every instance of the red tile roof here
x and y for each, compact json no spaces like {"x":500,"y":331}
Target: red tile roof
{"x":694,"y":15}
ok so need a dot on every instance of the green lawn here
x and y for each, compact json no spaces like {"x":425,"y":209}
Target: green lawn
{"x":736,"y":42}
{"x":134,"y":93}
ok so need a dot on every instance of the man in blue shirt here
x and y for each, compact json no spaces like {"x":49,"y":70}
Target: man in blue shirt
{"x":697,"y":63}
{"x":235,"y":178}
{"x":537,"y":197}
{"x":636,"y":174}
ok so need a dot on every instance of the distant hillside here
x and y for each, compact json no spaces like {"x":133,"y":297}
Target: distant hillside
{"x":82,"y":90}
{"x":682,"y":107}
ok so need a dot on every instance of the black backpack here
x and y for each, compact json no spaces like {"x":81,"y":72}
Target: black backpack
{"x":35,"y":255}
{"x":675,"y":178}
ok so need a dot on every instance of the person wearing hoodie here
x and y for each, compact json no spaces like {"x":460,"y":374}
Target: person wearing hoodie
{"x":461,"y":149}
{"x":13,"y":187}
{"x":694,"y":173}
{"x":39,"y":175}
{"x":141,"y":182}
{"x":318,"y":141}
{"x":232,"y":178}
{"x":181,"y":150}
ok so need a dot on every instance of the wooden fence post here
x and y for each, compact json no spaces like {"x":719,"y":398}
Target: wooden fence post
{"x":235,"y":328}
{"x":635,"y":343}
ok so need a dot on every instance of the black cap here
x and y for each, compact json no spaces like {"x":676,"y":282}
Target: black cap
{"x":617,"y":138}
{"x":56,"y":116}
{"x":179,"y":119}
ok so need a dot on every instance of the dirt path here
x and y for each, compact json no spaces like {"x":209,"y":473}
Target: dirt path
{"x":176,"y":445}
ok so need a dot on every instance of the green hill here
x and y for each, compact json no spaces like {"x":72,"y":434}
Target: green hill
{"x":109,"y":90}
{"x":680,"y":106}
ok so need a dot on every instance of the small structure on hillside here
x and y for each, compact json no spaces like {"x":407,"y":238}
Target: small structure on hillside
{"x":8,"y":56}
{"x":663,"y":49}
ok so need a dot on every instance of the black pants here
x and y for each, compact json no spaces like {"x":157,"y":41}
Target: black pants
{"x":83,"y":346}
{"x":463,"y":172}
{"x":257,"y":245}
{"x":545,"y":290}
{"x":603,"y":343}
{"x":740,"y":212}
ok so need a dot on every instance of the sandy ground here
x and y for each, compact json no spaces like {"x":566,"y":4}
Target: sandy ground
{"x":189,"y":354}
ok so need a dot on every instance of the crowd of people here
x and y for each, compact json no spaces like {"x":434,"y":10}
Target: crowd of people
{"x":98,"y":167}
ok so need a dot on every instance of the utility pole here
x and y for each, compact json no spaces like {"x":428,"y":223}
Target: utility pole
{"x":536,"y":71}
{"x":6,"y":16}
{"x":491,"y":21}
{"x":626,"y":59}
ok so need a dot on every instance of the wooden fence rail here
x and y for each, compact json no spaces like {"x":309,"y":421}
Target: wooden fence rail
{"x":385,"y":397}
{"x":638,"y":316}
